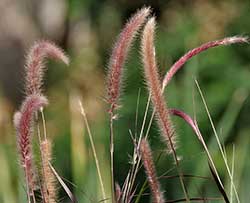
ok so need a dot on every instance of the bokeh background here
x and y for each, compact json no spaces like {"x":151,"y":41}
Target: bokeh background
{"x":86,"y":30}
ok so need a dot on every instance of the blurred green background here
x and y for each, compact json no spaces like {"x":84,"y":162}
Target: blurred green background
{"x":86,"y":30}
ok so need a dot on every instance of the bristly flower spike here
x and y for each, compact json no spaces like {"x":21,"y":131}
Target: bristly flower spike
{"x":179,"y":64}
{"x":154,"y":85}
{"x":149,"y":166}
{"x":35,"y":64}
{"x":23,"y":121}
{"x":119,"y":56}
{"x":49,"y":179}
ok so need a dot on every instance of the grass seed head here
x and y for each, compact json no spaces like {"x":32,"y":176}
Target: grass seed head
{"x":119,"y":56}
{"x":35,"y":64}
{"x":154,"y":85}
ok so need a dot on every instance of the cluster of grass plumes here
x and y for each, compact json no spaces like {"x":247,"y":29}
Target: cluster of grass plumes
{"x":114,"y":79}
{"x":26,"y":119}
{"x":23,"y":121}
{"x":161,"y":112}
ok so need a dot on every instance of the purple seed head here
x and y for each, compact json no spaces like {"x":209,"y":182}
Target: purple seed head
{"x":23,"y":121}
{"x":179,"y":64}
{"x":154,"y":85}
{"x":149,"y":166}
{"x":35,"y":64}
{"x":119,"y":56}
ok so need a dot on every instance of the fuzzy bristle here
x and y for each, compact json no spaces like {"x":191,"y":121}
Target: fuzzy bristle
{"x":149,"y":166}
{"x":49,"y":181}
{"x":154,"y":85}
{"x":16,"y":119}
{"x":23,"y":121}
{"x":119,"y":55}
{"x":179,"y":64}
{"x":35,"y":64}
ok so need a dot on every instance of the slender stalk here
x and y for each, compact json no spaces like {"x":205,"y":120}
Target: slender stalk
{"x":231,"y":185}
{"x":42,"y":158}
{"x":112,"y":158}
{"x":44,"y":124}
{"x":44,"y":185}
{"x":27,"y":186}
{"x":48,"y":190}
{"x":93,"y":149}
{"x":196,"y":129}
{"x":136,"y":156}
{"x":218,"y":141}
{"x":136,"y":112}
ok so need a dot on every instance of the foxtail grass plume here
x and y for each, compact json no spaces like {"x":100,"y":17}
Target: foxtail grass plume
{"x":35,"y":64}
{"x":179,"y":64}
{"x":48,"y":180}
{"x":154,"y":85}
{"x":119,"y":55}
{"x":149,"y":166}
{"x":23,"y":121}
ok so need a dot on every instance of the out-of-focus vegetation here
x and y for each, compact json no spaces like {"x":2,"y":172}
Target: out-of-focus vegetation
{"x":87,"y":30}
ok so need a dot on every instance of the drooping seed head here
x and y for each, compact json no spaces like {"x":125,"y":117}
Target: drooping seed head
{"x":119,"y":56}
{"x":35,"y":64}
{"x":179,"y":64}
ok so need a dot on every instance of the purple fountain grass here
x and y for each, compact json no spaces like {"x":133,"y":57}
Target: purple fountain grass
{"x":169,"y":75}
{"x":23,"y":121}
{"x":119,"y":55}
{"x":154,"y":85}
{"x":24,"y":118}
{"x":178,"y":64}
{"x":159,"y":104}
{"x":149,"y":166}
{"x":35,"y":64}
{"x":114,"y":78}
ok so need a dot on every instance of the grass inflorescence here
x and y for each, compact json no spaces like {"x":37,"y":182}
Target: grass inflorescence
{"x":26,"y":121}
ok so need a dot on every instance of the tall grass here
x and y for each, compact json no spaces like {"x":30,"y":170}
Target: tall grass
{"x":42,"y":179}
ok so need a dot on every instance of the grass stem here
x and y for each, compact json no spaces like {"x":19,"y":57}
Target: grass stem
{"x":93,"y":150}
{"x":218,"y":141}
